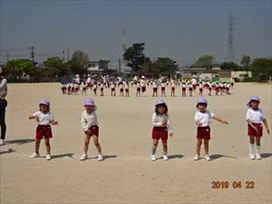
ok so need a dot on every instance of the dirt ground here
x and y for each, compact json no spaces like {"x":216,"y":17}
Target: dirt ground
{"x":127,"y":175}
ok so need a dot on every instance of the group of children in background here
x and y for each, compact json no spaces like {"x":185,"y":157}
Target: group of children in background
{"x":162,"y":127}
{"x":187,"y":87}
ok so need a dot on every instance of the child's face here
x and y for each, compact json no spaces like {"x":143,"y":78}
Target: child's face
{"x":89,"y":108}
{"x":44,"y":108}
{"x":161,"y":109}
{"x":254,"y":104}
{"x":202,"y":107}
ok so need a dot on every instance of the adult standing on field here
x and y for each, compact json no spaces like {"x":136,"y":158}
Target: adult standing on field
{"x":3,"y":105}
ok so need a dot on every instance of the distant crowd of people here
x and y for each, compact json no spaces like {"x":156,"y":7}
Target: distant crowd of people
{"x":160,"y":87}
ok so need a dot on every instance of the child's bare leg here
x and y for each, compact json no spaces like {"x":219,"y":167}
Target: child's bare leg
{"x":251,"y":139}
{"x":47,"y":145}
{"x":206,"y":147}
{"x":198,"y":146}
{"x":97,"y":144}
{"x":164,"y":146}
{"x":258,"y":141}
{"x":86,"y":143}
{"x":154,"y":146}
{"x":37,"y":145}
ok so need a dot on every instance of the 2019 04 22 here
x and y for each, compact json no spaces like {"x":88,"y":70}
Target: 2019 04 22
{"x":232,"y":184}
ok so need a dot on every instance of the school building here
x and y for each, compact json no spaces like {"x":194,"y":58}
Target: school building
{"x":215,"y":73}
{"x":99,"y":67}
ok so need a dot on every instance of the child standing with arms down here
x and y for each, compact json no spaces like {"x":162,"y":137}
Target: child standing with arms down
{"x":255,"y":117}
{"x":203,"y":118}
{"x":161,"y":127}
{"x":44,"y":118}
{"x":90,"y":126}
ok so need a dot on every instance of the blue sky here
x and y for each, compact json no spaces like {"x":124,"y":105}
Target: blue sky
{"x":180,"y":30}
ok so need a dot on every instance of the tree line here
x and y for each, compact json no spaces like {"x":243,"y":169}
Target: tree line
{"x":54,"y":68}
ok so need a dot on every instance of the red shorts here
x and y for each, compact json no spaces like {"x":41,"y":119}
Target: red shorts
{"x":94,"y":130}
{"x":252,"y":132}
{"x":160,"y":133}
{"x":203,"y":133}
{"x":190,"y":89}
{"x":138,"y":89}
{"x":43,"y":131}
{"x":155,"y":89}
{"x":173,"y":88}
{"x":183,"y":89}
{"x":143,"y":88}
{"x":163,"y":88}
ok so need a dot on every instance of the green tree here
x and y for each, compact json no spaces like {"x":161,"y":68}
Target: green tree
{"x":79,"y":62}
{"x":246,"y":62}
{"x":165,"y":65}
{"x":205,"y":61}
{"x":261,"y":69}
{"x":232,"y":66}
{"x":20,"y":67}
{"x":135,"y":57}
{"x":56,"y":66}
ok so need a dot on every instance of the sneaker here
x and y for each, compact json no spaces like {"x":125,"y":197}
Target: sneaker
{"x":252,"y":156}
{"x":48,"y":157}
{"x":153,"y":157}
{"x":2,"y":142}
{"x":197,"y":157}
{"x":100,"y":157}
{"x":83,"y":157}
{"x":258,"y":157}
{"x":207,"y":158}
{"x":165,"y":157}
{"x":34,"y":155}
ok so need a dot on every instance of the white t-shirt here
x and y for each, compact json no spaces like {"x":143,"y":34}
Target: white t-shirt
{"x":44,"y":119}
{"x":158,"y":119}
{"x":255,"y":116}
{"x":88,"y":120}
{"x":204,"y":118}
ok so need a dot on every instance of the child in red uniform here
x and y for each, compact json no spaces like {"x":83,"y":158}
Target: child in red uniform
{"x":255,"y":117}
{"x":44,"y":118}
{"x":161,"y":126}
{"x":90,"y":126}
{"x":203,"y":118}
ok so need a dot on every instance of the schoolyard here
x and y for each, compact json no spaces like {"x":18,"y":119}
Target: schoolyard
{"x":127,"y":175}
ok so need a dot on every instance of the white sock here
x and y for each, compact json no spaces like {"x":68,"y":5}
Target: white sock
{"x":251,"y":148}
{"x":258,"y":150}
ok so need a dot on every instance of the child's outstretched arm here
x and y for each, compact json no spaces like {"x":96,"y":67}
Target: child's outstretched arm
{"x":221,"y":120}
{"x":54,"y":122}
{"x":31,"y":117}
{"x":266,"y":126}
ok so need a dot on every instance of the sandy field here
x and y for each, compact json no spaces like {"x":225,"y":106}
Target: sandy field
{"x":127,"y":175}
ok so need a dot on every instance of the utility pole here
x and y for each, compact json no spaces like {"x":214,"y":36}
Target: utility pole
{"x":124,"y":48}
{"x":63,"y":55}
{"x":68,"y":54}
{"x":32,"y":54}
{"x":230,"y":53}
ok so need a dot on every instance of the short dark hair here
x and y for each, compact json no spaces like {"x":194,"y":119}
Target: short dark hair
{"x":157,"y":107}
